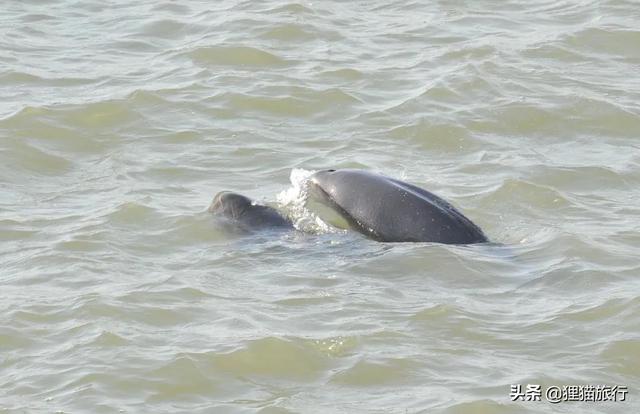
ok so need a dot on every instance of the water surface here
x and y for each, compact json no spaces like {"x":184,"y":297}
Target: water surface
{"x":119,"y":121}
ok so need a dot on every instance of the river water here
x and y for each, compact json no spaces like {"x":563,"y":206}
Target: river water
{"x":120,"y":120}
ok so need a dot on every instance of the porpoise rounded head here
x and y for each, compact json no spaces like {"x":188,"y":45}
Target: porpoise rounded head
{"x":230,"y":204}
{"x":323,"y":185}
{"x":387,"y":209}
{"x":246,"y":213}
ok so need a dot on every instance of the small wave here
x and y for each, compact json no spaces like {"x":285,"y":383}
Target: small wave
{"x":623,"y":356}
{"x":93,"y":115}
{"x":274,"y":357}
{"x":337,"y":346}
{"x":13,"y":230}
{"x":80,"y":245}
{"x":529,"y":195}
{"x":346,"y":74}
{"x":367,"y":373}
{"x":132,"y":213}
{"x":36,"y":160}
{"x":279,"y":106}
{"x":171,"y":7}
{"x":235,"y":56}
{"x":288,"y":33}
{"x":298,"y":102}
{"x":483,"y":406}
{"x":295,"y":9}
{"x":132,"y":46}
{"x":181,"y":377}
{"x":167,"y":29}
{"x":36,"y":17}
{"x":15,"y":339}
{"x":607,"y":42}
{"x":109,"y":339}
{"x":555,"y":52}
{"x":618,"y":310}
{"x":445,"y":137}
{"x":189,"y":230}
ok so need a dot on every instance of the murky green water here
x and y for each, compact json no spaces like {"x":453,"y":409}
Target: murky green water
{"x":119,"y":121}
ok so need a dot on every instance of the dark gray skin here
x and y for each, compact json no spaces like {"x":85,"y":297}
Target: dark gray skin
{"x":389,"y":210}
{"x":246,"y":214}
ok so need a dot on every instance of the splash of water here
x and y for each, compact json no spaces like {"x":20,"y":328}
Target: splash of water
{"x":294,"y":200}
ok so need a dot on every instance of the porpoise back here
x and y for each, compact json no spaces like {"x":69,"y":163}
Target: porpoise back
{"x":390,"y":210}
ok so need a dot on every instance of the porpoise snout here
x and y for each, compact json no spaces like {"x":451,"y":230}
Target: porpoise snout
{"x":320,"y":178}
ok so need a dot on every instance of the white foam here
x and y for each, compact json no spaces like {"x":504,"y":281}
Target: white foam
{"x":294,"y":200}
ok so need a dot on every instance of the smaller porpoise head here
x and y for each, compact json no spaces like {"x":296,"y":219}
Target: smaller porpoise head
{"x":246,"y":212}
{"x":230,"y":205}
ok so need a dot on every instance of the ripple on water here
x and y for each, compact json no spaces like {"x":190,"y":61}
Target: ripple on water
{"x":181,"y":378}
{"x":166,"y":28}
{"x":615,"y":310}
{"x":92,"y":116}
{"x":623,"y":356}
{"x":344,"y":74}
{"x":299,"y":102}
{"x":134,"y":214}
{"x":172,"y":7}
{"x":609,"y":42}
{"x":375,"y":374}
{"x":31,"y":79}
{"x":527,"y":195}
{"x":15,"y":339}
{"x":118,"y":123}
{"x":275,"y":357}
{"x":14,"y":230}
{"x":193,"y":230}
{"x":28,"y":157}
{"x":80,"y":245}
{"x":485,"y":406}
{"x":602,"y":116}
{"x":441,"y":137}
{"x":160,"y":316}
{"x":109,"y":339}
{"x":518,"y":119}
{"x":236,"y":56}
{"x":295,"y":9}
{"x":289,"y":33}
{"x":555,"y":52}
